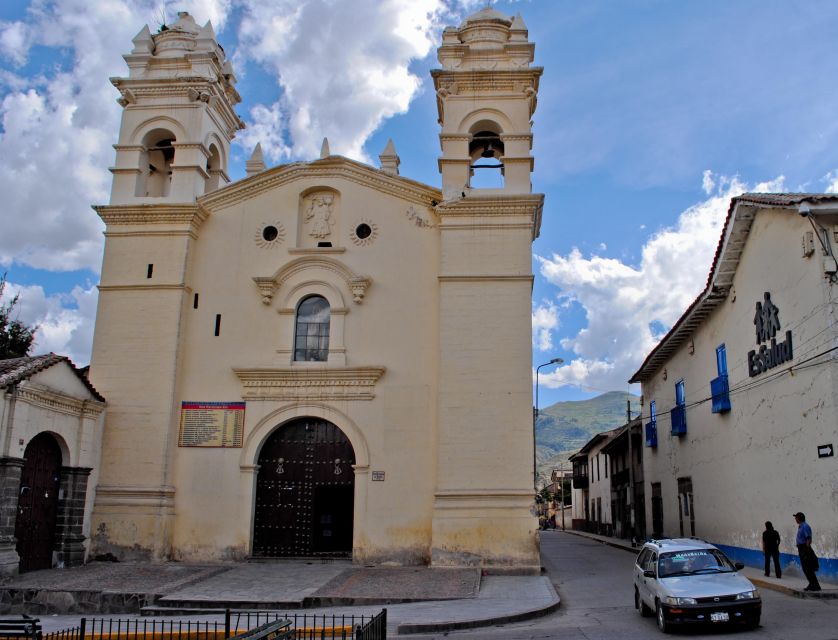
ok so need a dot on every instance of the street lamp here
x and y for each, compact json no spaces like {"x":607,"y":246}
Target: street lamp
{"x":535,"y":417}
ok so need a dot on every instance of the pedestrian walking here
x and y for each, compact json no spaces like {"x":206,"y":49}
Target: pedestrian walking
{"x":808,"y":559}
{"x":771,"y":549}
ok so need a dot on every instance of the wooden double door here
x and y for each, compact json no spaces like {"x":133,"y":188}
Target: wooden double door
{"x":305,"y":492}
{"x":37,"y":506}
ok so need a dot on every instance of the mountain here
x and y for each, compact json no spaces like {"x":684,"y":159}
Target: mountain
{"x":563,"y":428}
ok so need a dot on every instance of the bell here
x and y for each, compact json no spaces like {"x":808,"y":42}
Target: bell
{"x":488,"y":151}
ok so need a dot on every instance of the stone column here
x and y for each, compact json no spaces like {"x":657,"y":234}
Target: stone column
{"x":10,"y":470}
{"x":69,"y":541}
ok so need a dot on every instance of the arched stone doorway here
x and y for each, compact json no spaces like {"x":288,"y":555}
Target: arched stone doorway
{"x":305,"y":492}
{"x":37,"y":506}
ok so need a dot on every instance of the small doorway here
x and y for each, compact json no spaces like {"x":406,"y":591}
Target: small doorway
{"x":37,"y":505}
{"x":305,"y":492}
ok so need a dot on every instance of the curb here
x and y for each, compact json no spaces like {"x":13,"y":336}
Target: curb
{"x":608,"y":543}
{"x":410,"y":628}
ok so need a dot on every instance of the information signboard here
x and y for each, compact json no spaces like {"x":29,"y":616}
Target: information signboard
{"x":211,"y":424}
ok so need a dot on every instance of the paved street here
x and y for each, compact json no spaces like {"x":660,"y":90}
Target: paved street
{"x":594,"y":582}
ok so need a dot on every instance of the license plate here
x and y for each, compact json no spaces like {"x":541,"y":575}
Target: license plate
{"x":722,"y":616}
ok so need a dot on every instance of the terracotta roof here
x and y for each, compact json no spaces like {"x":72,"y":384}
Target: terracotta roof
{"x":737,"y":226}
{"x":16,"y":370}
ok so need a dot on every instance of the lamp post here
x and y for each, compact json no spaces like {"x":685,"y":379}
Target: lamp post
{"x":535,"y":418}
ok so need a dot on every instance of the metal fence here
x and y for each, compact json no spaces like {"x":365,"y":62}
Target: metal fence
{"x":306,"y":627}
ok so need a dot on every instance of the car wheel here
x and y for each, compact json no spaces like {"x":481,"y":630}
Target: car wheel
{"x":663,"y":625}
{"x":640,"y":605}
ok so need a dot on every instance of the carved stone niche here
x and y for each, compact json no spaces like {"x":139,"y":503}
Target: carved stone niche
{"x":319,"y":218}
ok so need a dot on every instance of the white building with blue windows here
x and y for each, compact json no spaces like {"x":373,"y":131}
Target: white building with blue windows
{"x":740,"y":414}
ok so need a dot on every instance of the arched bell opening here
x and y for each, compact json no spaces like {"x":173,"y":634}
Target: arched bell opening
{"x":213,"y":180}
{"x":37,"y":507}
{"x":305,"y":492}
{"x":156,"y":159}
{"x":486,"y":152}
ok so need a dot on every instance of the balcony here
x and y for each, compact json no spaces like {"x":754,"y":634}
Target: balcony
{"x":580,"y":482}
{"x":721,"y":394}
{"x":619,"y":478}
{"x":679,"y":420}
{"x":651,"y":434}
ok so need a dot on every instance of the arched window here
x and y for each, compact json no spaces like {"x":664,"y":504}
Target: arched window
{"x":311,"y":338}
{"x":213,"y":170}
{"x":155,"y":177}
{"x":486,"y":150}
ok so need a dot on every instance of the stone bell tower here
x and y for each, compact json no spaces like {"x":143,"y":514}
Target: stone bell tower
{"x":486,"y":96}
{"x":178,"y":118}
{"x":174,"y":144}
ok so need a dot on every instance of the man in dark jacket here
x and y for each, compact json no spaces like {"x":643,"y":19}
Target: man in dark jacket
{"x":771,"y":549}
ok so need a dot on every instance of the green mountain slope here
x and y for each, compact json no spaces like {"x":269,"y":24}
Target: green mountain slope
{"x":564,"y":427}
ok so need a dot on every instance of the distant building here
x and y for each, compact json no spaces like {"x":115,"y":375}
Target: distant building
{"x":50,"y":435}
{"x":591,"y":488}
{"x":323,"y":358}
{"x":621,"y":478}
{"x":741,"y":396}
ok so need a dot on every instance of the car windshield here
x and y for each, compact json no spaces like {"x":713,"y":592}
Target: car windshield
{"x":694,"y":561}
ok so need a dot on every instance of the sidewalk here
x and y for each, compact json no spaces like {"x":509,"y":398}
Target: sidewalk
{"x":418,"y":599}
{"x":790,"y":584}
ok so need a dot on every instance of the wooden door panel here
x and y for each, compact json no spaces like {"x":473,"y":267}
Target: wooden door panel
{"x":296,"y":464}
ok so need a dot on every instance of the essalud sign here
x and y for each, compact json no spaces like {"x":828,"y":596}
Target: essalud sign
{"x":767,"y":323}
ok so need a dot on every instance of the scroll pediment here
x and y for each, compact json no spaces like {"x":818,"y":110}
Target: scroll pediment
{"x":356,"y":284}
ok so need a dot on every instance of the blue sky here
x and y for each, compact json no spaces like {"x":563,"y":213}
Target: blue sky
{"x":652,"y":114}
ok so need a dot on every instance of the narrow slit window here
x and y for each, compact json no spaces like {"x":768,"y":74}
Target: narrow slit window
{"x":195,"y":301}
{"x":149,"y":271}
{"x":218,"y":324}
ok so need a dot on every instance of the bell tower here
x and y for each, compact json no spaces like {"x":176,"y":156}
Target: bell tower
{"x":178,"y":119}
{"x":486,"y":95}
{"x":174,"y":144}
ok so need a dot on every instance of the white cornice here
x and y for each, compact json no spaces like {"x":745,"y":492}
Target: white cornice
{"x":308,"y":383}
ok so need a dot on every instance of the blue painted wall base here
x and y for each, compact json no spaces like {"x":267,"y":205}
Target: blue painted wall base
{"x":755,"y":558}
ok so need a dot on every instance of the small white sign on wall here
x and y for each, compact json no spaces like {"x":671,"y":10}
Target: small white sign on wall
{"x":378,"y":476}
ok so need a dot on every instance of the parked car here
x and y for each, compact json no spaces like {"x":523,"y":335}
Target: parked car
{"x":688,"y":581}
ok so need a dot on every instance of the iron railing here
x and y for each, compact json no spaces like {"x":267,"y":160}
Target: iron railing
{"x":306,"y":626}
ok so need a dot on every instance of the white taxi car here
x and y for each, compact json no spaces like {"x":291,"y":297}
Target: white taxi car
{"x":688,"y":581}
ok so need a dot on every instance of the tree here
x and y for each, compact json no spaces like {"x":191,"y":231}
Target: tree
{"x":15,"y":337}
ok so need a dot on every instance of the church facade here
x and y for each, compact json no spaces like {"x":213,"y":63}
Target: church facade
{"x":324,"y":358}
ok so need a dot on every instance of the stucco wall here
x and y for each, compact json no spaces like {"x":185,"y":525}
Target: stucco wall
{"x":759,"y":461}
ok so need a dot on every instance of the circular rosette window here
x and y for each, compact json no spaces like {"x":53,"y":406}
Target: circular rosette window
{"x":364,"y":233}
{"x":269,"y":235}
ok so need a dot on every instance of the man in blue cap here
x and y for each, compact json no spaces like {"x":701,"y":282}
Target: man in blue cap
{"x":808,"y":559}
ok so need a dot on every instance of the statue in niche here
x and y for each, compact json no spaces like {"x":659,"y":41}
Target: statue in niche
{"x":319,"y":212}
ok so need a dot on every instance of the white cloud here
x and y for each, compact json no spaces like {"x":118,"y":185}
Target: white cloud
{"x":627,"y":305}
{"x":545,"y":319}
{"x":64,"y":321}
{"x":707,"y":182}
{"x":343,"y":67}
{"x":831,"y":181}
{"x":14,"y":38}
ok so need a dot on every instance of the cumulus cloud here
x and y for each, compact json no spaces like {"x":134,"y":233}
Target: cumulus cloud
{"x":628,"y":306}
{"x":545,"y":320}
{"x":343,"y":67}
{"x":64,"y":321}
